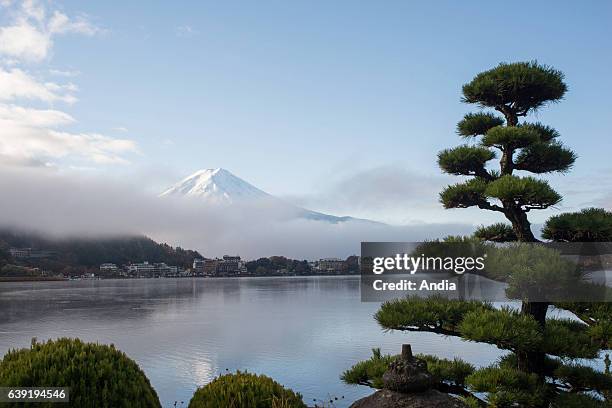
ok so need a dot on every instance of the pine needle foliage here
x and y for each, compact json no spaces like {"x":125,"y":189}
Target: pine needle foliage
{"x":514,"y":137}
{"x":245,"y":390}
{"x":571,"y":400}
{"x":498,"y":232}
{"x":533,"y":272}
{"x":453,"y":372}
{"x":506,"y":328}
{"x":465,"y":160}
{"x":478,"y":124}
{"x":445,"y":372}
{"x":463,"y":195}
{"x":545,"y":158}
{"x":433,"y":314}
{"x":588,"y":225}
{"x":98,"y":375}
{"x":576,"y":378}
{"x":545,"y":133}
{"x":369,"y":372}
{"x":524,"y":86}
{"x":524,"y":192}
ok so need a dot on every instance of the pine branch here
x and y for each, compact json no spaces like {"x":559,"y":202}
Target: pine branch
{"x":525,"y":192}
{"x":468,"y":194}
{"x":498,"y":232}
{"x":580,"y":378}
{"x":516,"y":88}
{"x":466,"y":160}
{"x":588,"y":225}
{"x":435,"y":314}
{"x":545,"y":158}
{"x":477,"y":124}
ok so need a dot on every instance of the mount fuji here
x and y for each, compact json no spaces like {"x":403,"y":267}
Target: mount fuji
{"x":221,"y":187}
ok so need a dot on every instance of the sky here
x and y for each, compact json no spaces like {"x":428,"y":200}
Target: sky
{"x":336,"y":106}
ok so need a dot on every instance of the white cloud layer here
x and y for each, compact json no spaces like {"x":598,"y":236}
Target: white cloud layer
{"x":17,"y":84}
{"x":79,"y":206}
{"x":389,"y":193}
{"x":30,"y":33}
{"x":34,"y":136}
{"x":28,"y":136}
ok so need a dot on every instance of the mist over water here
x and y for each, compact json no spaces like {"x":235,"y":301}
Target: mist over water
{"x":304,"y":332}
{"x":61,"y":206}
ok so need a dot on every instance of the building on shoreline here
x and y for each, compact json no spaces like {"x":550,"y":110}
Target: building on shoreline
{"x":109,"y":268}
{"x":146,"y":269}
{"x":197,"y":267}
{"x":229,"y":265}
{"x":332,"y":266}
{"x":234,"y":266}
{"x":29,"y":253}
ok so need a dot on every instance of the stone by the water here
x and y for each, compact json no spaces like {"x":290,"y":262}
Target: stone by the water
{"x":407,"y":375}
{"x":393,"y":399}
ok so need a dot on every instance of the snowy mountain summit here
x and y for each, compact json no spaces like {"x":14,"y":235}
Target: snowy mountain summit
{"x":216,"y":186}
{"x":221,"y":187}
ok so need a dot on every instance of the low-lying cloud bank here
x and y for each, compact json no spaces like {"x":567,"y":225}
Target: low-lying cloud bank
{"x":61,"y":206}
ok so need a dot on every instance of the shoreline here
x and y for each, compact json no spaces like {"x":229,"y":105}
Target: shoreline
{"x":32,"y":279}
{"x":57,"y":279}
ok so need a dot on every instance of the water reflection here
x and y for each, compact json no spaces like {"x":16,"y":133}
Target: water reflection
{"x":302,"y":331}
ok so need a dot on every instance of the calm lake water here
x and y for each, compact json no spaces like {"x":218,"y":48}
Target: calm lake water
{"x":303,"y":332}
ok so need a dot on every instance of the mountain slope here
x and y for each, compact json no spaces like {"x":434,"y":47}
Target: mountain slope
{"x":221,"y":187}
{"x":216,"y":186}
{"x":79,"y":254}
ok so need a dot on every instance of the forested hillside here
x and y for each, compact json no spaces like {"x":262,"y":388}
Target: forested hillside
{"x":72,"y":255}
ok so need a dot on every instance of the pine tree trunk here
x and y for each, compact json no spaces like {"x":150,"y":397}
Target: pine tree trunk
{"x":520,"y":223}
{"x":533,"y":361}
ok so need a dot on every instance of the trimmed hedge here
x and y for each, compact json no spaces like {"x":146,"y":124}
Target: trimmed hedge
{"x":98,"y":375}
{"x":245,"y":390}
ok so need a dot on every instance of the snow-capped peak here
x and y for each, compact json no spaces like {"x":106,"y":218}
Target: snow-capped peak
{"x":219,"y":186}
{"x":216,"y":186}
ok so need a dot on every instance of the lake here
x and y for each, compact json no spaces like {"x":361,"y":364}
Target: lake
{"x":301,"y":331}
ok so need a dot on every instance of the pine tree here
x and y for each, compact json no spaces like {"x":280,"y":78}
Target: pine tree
{"x":540,"y":368}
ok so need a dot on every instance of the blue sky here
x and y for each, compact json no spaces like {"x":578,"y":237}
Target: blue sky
{"x":303,"y":98}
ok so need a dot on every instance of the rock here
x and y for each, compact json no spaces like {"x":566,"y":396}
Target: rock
{"x":407,"y":374}
{"x":394,"y":399}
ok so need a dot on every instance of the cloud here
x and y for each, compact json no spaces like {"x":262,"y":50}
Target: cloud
{"x":35,"y":137}
{"x":387,"y":193}
{"x":185,"y":31}
{"x":61,"y":24}
{"x":34,"y":117}
{"x":64,"y":73}
{"x":28,"y":137}
{"x":24,"y":41}
{"x":87,"y":206}
{"x":29,"y":35}
{"x":18,"y":84}
{"x":602,"y":200}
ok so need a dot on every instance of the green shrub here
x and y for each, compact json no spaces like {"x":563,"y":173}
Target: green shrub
{"x":588,"y":225}
{"x":369,"y":372}
{"x":98,"y":375}
{"x":245,"y":390}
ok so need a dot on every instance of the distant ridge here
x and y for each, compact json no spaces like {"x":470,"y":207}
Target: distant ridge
{"x":221,"y":187}
{"x":82,"y":253}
